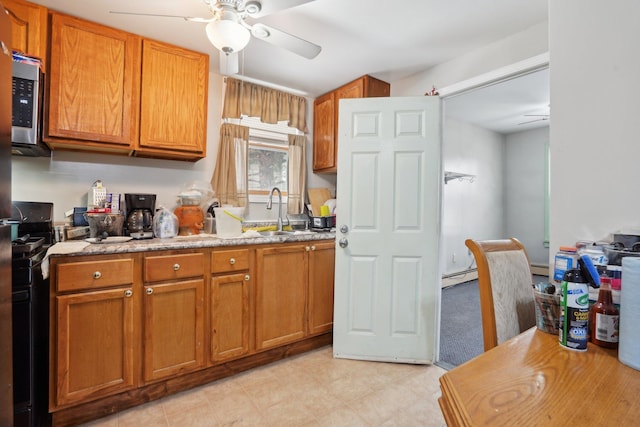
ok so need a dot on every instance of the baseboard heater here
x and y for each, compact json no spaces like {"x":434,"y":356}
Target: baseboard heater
{"x":459,"y":273}
{"x":538,"y":267}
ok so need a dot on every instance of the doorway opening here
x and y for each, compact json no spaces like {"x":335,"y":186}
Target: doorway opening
{"x":495,"y":130}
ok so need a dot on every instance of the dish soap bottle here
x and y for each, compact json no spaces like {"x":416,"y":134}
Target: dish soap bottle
{"x":605,"y":317}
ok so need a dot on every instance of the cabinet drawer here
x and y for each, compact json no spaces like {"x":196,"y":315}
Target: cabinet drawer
{"x":94,"y":274}
{"x":229,"y":260}
{"x":171,"y":267}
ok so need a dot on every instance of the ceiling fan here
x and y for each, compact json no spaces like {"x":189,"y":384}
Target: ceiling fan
{"x":228,"y":31}
{"x":542,"y":117}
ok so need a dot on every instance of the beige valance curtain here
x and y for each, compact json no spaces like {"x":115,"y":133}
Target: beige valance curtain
{"x":297,"y":174}
{"x":230,"y":181}
{"x":270,"y":105}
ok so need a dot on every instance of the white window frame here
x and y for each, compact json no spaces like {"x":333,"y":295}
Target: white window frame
{"x":267,"y":135}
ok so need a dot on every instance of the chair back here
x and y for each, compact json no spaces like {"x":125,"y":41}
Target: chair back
{"x":506,"y":296}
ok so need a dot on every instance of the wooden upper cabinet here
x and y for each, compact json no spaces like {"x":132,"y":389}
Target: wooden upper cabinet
{"x":94,"y":86}
{"x":173,"y":118}
{"x":29,"y":26}
{"x":115,"y":92}
{"x":323,"y":140}
{"x":325,"y":118}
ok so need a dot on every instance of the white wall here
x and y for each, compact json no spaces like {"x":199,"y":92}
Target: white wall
{"x":595,"y":69}
{"x":518,"y":47}
{"x":471,"y":210}
{"x":65,"y":177}
{"x":525,"y":190}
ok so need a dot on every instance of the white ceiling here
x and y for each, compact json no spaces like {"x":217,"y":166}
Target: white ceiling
{"x":514,"y":105}
{"x":388,"y":40}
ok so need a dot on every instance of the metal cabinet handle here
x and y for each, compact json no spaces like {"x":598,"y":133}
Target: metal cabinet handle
{"x":313,"y":247}
{"x":149,"y":291}
{"x":232,"y":261}
{"x":176,"y":267}
{"x":97,"y":275}
{"x":307,"y":248}
{"x":343,"y":243}
{"x":247,"y":277}
{"x":128,"y":293}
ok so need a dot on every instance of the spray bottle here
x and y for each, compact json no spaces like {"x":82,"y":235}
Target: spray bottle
{"x":574,"y":304}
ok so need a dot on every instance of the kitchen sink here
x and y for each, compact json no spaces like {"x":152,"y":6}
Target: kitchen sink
{"x":275,"y":233}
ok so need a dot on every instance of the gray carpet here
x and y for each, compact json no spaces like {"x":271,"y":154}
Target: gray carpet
{"x":461,"y":323}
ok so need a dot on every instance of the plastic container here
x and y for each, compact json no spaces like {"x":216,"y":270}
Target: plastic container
{"x":566,"y":259}
{"x":229,"y":221}
{"x":547,"y":311}
{"x":165,"y":224}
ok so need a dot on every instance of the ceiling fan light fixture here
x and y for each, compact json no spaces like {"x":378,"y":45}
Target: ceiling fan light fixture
{"x":227,"y":35}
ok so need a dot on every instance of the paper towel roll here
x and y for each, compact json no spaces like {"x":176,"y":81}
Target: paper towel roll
{"x":629,"y":345}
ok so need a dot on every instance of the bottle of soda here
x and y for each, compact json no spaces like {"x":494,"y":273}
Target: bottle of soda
{"x":605,"y":317}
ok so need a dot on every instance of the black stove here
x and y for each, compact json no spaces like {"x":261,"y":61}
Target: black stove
{"x":30,"y":303}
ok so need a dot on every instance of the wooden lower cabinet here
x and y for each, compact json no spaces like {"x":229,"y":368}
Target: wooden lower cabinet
{"x":173,"y":313}
{"x":321,"y":284}
{"x":229,"y":316}
{"x":173,"y":328}
{"x":230,"y":303}
{"x":130,"y":328}
{"x":294,"y":296}
{"x":95,"y":344}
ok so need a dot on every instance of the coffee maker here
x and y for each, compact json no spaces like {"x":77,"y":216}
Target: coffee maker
{"x":140,"y":209}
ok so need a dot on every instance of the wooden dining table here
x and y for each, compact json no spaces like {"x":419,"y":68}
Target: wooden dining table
{"x":532,"y":380}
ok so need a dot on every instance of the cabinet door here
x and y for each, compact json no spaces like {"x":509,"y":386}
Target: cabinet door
{"x":324,"y":146}
{"x":281,"y":295}
{"x":28,"y":28}
{"x":173,"y":120}
{"x":94,"y":345}
{"x":321,"y":282}
{"x":229,"y":316}
{"x":94,"y":86}
{"x":173,"y":328}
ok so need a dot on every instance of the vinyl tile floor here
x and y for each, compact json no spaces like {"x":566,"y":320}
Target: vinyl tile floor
{"x":311,"y":389}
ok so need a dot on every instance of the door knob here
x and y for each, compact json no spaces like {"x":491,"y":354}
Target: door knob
{"x":344,"y":229}
{"x":343,"y":242}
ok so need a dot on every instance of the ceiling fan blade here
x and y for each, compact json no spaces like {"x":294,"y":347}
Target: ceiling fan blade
{"x":186,"y":18}
{"x":286,"y":41}
{"x":229,"y":63}
{"x":272,"y":6}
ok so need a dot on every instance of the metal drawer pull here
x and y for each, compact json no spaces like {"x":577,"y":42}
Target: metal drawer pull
{"x":307,"y":248}
{"x":247,"y":277}
{"x":149,"y":291}
{"x":128,"y":293}
{"x":232,"y":261}
{"x":176,"y":267}
{"x":97,"y":275}
{"x":313,"y":247}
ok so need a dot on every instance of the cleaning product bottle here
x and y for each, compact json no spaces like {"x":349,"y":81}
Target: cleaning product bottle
{"x":574,"y":304}
{"x":605,"y":317}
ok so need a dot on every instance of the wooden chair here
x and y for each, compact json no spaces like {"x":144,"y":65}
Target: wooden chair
{"x":506,"y":296}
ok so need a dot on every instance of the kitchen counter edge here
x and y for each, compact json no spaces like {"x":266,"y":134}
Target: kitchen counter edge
{"x":193,"y":242}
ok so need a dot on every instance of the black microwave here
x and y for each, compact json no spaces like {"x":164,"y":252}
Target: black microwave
{"x":26,"y":110}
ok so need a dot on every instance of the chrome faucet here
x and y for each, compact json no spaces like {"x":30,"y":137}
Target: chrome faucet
{"x":270,"y":203}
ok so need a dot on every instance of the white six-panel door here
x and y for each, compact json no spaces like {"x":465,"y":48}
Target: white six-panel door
{"x":387,"y":285}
